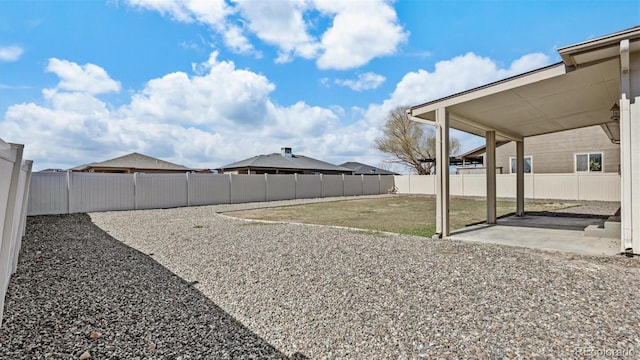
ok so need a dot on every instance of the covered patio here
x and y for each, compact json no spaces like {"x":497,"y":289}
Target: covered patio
{"x":593,"y":78}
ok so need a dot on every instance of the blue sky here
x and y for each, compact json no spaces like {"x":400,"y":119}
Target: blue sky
{"x":206,"y":83}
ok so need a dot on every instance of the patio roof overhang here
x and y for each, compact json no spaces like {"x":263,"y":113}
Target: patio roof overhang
{"x":575,"y":93}
{"x":539,"y":102}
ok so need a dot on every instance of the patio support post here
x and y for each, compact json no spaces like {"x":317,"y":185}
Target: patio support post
{"x":519,"y":178}
{"x":629,"y":161}
{"x":442,"y":173}
{"x":491,"y":177}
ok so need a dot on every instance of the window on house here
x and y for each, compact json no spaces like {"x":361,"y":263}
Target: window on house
{"x":528,"y":168}
{"x":591,"y":162}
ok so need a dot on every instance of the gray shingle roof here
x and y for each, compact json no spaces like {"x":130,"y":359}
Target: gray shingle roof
{"x":135,"y":161}
{"x":277,"y":161}
{"x":360,"y":168}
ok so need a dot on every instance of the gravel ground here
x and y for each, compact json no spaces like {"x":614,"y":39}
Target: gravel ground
{"x":79,"y":290}
{"x":248,"y":288}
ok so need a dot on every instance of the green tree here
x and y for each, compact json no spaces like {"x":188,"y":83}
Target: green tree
{"x":408,"y":142}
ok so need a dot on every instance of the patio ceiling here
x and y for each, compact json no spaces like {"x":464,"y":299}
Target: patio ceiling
{"x":577,"y":92}
{"x":551,"y":99}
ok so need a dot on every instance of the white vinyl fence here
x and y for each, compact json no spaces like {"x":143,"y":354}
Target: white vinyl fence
{"x":576,"y":186}
{"x":14,"y":192}
{"x":74,"y":192}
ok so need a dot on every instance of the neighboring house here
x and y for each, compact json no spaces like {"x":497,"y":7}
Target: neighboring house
{"x":472,"y":162}
{"x":135,"y":162}
{"x":364,"y":169}
{"x":587,"y":149}
{"x":284,"y":162}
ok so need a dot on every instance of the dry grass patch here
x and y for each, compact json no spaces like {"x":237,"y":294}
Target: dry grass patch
{"x":405,"y":214}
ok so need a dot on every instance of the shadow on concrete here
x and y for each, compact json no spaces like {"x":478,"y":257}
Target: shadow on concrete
{"x":77,"y":289}
{"x":547,"y":220}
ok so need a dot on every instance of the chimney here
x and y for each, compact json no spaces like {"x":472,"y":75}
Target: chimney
{"x":286,"y":152}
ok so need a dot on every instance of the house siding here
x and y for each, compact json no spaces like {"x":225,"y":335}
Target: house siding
{"x":555,"y":153}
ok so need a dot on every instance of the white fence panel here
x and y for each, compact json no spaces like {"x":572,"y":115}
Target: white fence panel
{"x":332,"y":185}
{"x":474,"y":184}
{"x":280,"y":187}
{"x":370,"y":184}
{"x":456,"y":185}
{"x":20,"y":213}
{"x":8,"y":193}
{"x":308,"y":186}
{"x":101,"y":192}
{"x":601,"y":187}
{"x":8,"y":157}
{"x":422,"y":184}
{"x":506,"y":185}
{"x":555,"y":186}
{"x":352,"y":185}
{"x":403,"y":184}
{"x":14,"y":189}
{"x":49,"y":194}
{"x":247,"y":188}
{"x":209,"y":189}
{"x":158,"y":191}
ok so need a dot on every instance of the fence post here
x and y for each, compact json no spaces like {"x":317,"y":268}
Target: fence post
{"x":343,"y":185}
{"x":266,"y":187}
{"x":321,"y":187}
{"x":230,"y":188}
{"x":295,"y":185}
{"x":26,"y":195}
{"x":533,"y":186}
{"x":188,"y":195}
{"x":577,"y":175}
{"x":22,"y":223}
{"x":69,"y":192}
{"x":135,"y":191}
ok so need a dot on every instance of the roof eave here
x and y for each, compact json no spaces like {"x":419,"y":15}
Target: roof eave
{"x":426,"y":111}
{"x":606,"y":47}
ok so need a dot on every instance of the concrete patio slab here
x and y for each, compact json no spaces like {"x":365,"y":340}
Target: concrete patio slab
{"x":541,"y":232}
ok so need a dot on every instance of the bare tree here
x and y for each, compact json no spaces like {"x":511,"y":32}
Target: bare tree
{"x":409,"y":143}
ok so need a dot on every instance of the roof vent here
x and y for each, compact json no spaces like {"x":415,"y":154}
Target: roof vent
{"x":286,"y":152}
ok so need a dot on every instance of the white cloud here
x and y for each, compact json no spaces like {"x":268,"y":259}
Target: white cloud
{"x":220,"y":114}
{"x":528,"y":62}
{"x":10,"y":53}
{"x":357,"y":33}
{"x":458,"y":74}
{"x":280,"y":23}
{"x":237,"y":42}
{"x":448,"y":77}
{"x":207,"y":119}
{"x":204,"y":11}
{"x":366,"y":81}
{"x":213,"y":13}
{"x":84,"y":78}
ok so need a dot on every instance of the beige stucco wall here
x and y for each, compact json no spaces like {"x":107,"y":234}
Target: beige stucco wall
{"x":555,"y":153}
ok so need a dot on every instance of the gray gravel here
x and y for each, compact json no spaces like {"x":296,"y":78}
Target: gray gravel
{"x":337,"y":293}
{"x":191,"y":283}
{"x":77,"y":290}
